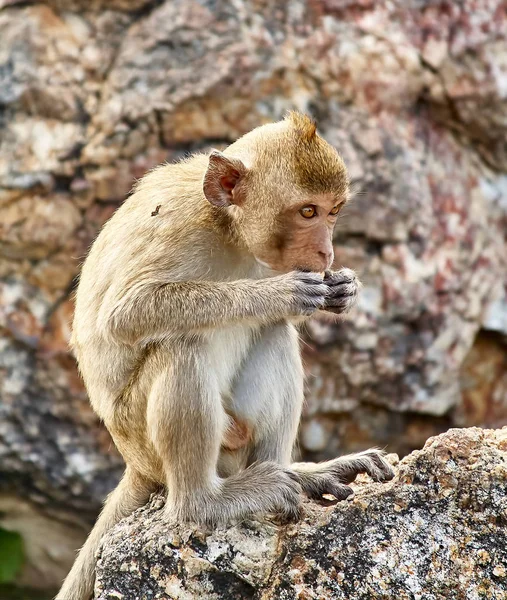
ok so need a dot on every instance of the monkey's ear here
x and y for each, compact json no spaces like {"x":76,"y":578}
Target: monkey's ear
{"x":222,"y":176}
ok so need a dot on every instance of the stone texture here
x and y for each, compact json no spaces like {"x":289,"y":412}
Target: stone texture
{"x":412,"y":93}
{"x":437,"y":531}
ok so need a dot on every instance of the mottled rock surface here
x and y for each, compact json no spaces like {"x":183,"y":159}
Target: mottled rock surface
{"x":413,"y":93}
{"x":437,"y":531}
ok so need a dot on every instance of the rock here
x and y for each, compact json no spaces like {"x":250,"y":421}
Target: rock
{"x":438,"y":530}
{"x":485,"y":382}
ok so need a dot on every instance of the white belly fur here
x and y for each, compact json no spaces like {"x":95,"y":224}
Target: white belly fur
{"x":228,"y":347}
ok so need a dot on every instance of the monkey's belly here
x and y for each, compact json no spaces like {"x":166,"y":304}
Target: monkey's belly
{"x":228,"y":348}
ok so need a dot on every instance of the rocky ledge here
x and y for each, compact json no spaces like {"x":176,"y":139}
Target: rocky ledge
{"x":438,"y":530}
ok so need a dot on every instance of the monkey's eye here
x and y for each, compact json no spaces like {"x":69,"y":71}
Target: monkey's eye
{"x":335,"y":210}
{"x":308,"y":211}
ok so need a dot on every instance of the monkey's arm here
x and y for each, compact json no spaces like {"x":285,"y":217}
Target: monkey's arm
{"x":149,"y":309}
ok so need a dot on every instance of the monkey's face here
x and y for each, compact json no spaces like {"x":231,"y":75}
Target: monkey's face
{"x":298,"y":236}
{"x":284,"y":190}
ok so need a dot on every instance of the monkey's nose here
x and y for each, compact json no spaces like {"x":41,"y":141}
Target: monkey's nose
{"x":326,"y":258}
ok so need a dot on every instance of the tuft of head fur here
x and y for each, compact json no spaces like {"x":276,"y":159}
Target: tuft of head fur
{"x":304,"y":125}
{"x":318,"y":167}
{"x":291,"y":153}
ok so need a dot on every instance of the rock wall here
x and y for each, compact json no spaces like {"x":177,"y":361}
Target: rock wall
{"x":436,"y":532}
{"x":412,"y":93}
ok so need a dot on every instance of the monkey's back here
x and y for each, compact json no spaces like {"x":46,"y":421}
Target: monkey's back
{"x":139,"y":245}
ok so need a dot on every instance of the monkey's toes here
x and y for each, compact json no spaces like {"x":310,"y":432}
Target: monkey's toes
{"x":289,"y":514}
{"x":381,"y":470}
{"x":319,"y":485}
{"x":289,"y":509}
{"x":387,"y":472}
{"x":339,"y":490}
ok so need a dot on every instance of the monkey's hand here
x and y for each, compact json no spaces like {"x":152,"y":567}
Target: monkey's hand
{"x":343,"y":287}
{"x":302,"y":292}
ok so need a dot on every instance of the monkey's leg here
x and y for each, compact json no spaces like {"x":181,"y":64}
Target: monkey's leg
{"x":130,"y":494}
{"x":271,"y":387}
{"x":186,"y":424}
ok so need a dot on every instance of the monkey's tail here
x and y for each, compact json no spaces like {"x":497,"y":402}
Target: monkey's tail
{"x":132,"y":492}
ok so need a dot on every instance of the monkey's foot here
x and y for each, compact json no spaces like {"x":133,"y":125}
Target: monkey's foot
{"x":332,"y":476}
{"x":264,"y":488}
{"x":371,"y":462}
{"x":315,"y":485}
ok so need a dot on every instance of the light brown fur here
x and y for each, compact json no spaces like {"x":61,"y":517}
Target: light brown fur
{"x":184,"y":331}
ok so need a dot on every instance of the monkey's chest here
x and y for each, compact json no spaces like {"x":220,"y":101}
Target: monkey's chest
{"x":228,"y":348}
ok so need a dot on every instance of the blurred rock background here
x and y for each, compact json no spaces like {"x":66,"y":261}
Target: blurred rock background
{"x":413,"y":93}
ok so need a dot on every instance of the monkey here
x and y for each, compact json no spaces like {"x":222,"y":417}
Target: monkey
{"x":186,"y":332}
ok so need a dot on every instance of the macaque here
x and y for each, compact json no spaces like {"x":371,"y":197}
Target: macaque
{"x":185,"y":332}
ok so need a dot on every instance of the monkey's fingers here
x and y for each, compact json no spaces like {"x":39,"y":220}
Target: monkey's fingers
{"x":310,"y":304}
{"x":310,"y":292}
{"x":345,"y":285}
{"x":343,"y":288}
{"x":340,"y":296}
{"x":341,"y":276}
{"x":340,"y":304}
{"x":315,"y":290}
{"x":309,"y":277}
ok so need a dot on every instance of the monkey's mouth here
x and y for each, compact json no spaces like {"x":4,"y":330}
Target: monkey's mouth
{"x":308,"y":270}
{"x":303,"y":269}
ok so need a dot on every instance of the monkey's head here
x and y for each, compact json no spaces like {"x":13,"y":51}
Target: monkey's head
{"x":283,"y":186}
